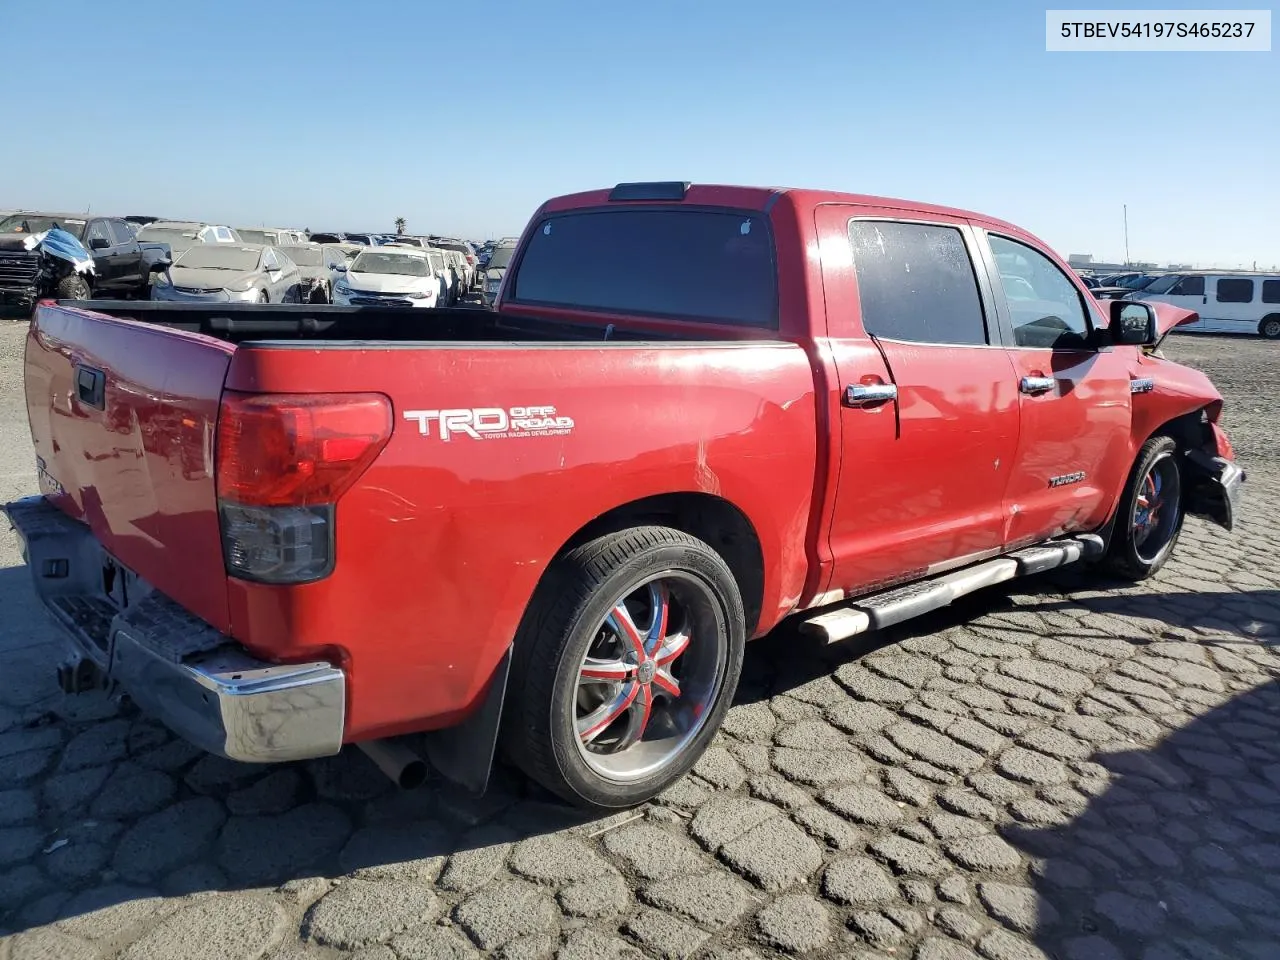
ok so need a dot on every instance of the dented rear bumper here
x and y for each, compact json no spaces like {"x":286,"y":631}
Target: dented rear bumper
{"x":200,"y":683}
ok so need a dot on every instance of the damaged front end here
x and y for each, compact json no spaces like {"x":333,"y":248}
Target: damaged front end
{"x":22,"y":275}
{"x":1215,"y":482}
{"x":33,"y":265}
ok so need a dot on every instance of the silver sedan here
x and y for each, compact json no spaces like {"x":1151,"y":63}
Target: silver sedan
{"x":229,"y":272}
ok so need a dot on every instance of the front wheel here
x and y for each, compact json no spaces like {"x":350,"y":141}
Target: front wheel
{"x":1149,"y":520}
{"x":624,"y":666}
{"x":73,"y":287}
{"x":1270,"y":327}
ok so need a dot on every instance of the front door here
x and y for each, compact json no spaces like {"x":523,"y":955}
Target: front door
{"x":928,"y":402}
{"x":106,"y":263}
{"x":1075,"y":396}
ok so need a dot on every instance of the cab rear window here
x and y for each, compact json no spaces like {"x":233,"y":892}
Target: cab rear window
{"x":714,"y":266}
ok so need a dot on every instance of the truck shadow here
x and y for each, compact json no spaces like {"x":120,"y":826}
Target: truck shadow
{"x":1178,"y":856}
{"x":786,"y":659}
{"x":108,"y":822}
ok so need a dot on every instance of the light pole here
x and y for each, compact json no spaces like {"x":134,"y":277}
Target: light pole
{"x":1126,"y":235}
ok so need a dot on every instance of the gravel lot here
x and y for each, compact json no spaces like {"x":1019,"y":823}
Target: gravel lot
{"x":1065,"y":768}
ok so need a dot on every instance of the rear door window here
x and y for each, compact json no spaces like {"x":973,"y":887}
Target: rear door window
{"x":916,"y":283}
{"x":121,"y":233}
{"x":1235,"y":290}
{"x":714,"y":266}
{"x":1271,"y":291}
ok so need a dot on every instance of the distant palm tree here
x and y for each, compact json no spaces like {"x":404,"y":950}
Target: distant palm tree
{"x":401,"y":223}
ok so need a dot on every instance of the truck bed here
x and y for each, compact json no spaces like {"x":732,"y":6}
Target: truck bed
{"x":240,"y":322}
{"x":448,"y":531}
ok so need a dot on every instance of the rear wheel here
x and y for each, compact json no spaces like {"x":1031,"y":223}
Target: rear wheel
{"x":624,"y":666}
{"x":1270,"y":327}
{"x":73,"y":287}
{"x":1150,"y":517}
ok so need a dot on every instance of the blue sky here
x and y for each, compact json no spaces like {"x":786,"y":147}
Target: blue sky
{"x":463,"y":117}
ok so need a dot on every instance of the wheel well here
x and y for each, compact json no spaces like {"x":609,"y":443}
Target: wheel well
{"x":1190,"y":430}
{"x":716,"y":522}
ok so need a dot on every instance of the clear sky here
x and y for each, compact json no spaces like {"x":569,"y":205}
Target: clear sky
{"x":462,"y":117}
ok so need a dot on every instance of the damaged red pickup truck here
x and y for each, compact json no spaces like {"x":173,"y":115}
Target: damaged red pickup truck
{"x":695,"y":411}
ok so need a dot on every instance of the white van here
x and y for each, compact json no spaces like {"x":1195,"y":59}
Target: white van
{"x":1226,"y":302}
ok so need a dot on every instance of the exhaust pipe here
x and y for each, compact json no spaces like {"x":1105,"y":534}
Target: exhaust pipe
{"x":405,"y":768}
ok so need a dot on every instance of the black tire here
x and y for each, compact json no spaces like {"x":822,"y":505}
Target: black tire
{"x":568,"y":615}
{"x":1270,"y":327}
{"x":264,"y":297}
{"x":1129,"y":556}
{"x":73,"y":287}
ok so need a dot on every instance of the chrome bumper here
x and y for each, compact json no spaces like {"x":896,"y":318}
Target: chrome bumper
{"x":198,"y":682}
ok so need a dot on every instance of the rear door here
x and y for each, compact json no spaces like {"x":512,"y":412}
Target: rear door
{"x":928,"y":400}
{"x":1075,"y":397}
{"x":122,"y":417}
{"x":1233,"y":306}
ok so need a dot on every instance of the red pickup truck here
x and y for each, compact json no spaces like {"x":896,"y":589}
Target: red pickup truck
{"x":693,"y":412}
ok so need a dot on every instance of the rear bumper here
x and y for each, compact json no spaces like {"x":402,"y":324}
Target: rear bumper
{"x":198,"y":682}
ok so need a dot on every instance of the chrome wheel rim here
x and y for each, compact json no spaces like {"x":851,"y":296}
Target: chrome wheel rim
{"x":1271,"y":329}
{"x":650,"y":677}
{"x":1155,"y":508}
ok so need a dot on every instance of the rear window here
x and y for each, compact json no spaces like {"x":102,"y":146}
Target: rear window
{"x":714,"y":266}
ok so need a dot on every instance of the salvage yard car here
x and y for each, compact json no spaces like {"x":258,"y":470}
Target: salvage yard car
{"x":227,"y":272}
{"x":320,"y":267}
{"x":180,"y":235}
{"x":553,"y":526}
{"x":494,"y":269}
{"x":121,"y":267}
{"x":397,"y":276}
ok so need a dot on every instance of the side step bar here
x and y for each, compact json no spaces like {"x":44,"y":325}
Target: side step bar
{"x":880,"y":610}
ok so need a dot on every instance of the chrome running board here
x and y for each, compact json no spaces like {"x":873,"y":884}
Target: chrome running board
{"x":880,"y":610}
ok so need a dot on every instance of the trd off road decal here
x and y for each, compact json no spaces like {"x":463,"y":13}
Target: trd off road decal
{"x":491,"y":423}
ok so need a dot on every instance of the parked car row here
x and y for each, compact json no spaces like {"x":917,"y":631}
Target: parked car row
{"x":140,"y":257}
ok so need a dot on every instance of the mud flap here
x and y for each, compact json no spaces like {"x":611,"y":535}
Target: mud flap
{"x":463,"y":754}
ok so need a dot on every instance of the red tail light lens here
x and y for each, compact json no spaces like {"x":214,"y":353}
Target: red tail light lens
{"x":297,"y":449}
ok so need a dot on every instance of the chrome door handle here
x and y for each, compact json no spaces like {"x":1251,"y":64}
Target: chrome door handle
{"x":1035,"y":384}
{"x":865,"y":394}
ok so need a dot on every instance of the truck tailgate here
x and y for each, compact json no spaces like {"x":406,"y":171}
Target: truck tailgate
{"x":123,"y":418}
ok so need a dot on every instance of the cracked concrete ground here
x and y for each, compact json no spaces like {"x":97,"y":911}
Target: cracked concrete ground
{"x":1066,"y":768}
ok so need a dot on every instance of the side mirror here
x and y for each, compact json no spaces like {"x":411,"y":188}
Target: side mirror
{"x":99,"y":243}
{"x":340,"y":267}
{"x":160,"y":266}
{"x":1132,"y":323}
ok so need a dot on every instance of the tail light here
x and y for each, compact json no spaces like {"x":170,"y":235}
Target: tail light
{"x":283,"y":462}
